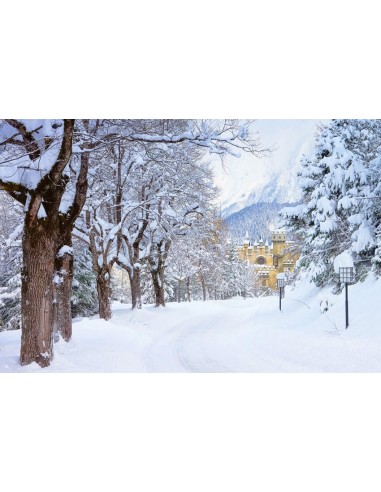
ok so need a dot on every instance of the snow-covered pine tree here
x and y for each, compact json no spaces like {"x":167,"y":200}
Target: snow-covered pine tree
{"x":10,"y":287}
{"x":10,"y":263}
{"x":147,"y":288}
{"x":339,"y":212}
{"x":231,"y":270}
{"x":84,"y":297}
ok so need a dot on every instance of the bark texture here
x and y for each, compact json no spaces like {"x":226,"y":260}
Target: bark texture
{"x":158,"y":285}
{"x":136,"y":292}
{"x":178,"y":290}
{"x":39,"y":248}
{"x":203,"y":286}
{"x":46,"y":277}
{"x":188,"y":289}
{"x":104,"y":294}
{"x":64,"y":281}
{"x":157,"y":261}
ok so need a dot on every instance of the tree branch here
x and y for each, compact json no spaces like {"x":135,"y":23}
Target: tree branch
{"x":29,"y":141}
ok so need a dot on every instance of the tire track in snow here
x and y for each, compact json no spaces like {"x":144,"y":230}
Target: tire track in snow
{"x":193,"y":346}
{"x":196,"y":334}
{"x":174,"y":345}
{"x":149,"y":360}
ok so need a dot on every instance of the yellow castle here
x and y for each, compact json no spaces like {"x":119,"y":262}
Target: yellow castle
{"x":269,"y":259}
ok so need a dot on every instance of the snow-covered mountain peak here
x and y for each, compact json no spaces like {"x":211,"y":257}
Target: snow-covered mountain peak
{"x":272,"y":179}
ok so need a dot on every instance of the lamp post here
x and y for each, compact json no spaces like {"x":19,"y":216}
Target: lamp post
{"x":280,"y":283}
{"x":346,"y":277}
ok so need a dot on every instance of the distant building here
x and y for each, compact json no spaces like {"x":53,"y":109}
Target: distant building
{"x":269,"y":259}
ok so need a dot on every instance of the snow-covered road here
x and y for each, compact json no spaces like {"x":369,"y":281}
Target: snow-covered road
{"x":222,"y":336}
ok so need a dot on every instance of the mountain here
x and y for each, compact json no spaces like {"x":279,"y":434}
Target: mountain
{"x":250,"y":180}
{"x":258,"y":220}
{"x":254,"y":190}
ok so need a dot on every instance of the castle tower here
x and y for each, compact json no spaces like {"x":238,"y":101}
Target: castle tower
{"x":278,"y":239}
{"x":246,"y":244}
{"x":261,"y":247}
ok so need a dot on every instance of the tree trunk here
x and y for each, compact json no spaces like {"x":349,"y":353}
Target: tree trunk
{"x":203,"y":288}
{"x":188,"y":289}
{"x":157,"y":260}
{"x":63,"y":285}
{"x":179,"y":290}
{"x":136,"y":295}
{"x":104,"y":294}
{"x":39,"y":251}
{"x":158,"y":284}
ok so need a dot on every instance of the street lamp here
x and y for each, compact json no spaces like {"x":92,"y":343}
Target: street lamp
{"x":347,"y":276}
{"x":280,"y":279}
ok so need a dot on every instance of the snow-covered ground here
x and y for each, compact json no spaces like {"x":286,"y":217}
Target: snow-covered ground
{"x":236,"y":335}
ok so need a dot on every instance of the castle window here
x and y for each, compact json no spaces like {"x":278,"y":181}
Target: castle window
{"x":261,"y":260}
{"x":275,"y":261}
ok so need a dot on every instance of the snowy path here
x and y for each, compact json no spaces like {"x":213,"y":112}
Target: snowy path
{"x":187,"y":347}
{"x":221,"y":336}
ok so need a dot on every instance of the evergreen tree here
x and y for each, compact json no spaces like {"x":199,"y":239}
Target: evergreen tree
{"x":84,"y":296}
{"x":10,"y":264}
{"x":10,"y":294}
{"x":341,"y":211}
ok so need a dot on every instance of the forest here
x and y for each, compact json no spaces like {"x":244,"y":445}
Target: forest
{"x":88,"y":203}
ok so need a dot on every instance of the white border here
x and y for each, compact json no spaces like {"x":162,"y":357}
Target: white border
{"x":191,"y":432}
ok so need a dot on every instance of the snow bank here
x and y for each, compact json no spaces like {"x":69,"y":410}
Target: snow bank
{"x":237,"y":335}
